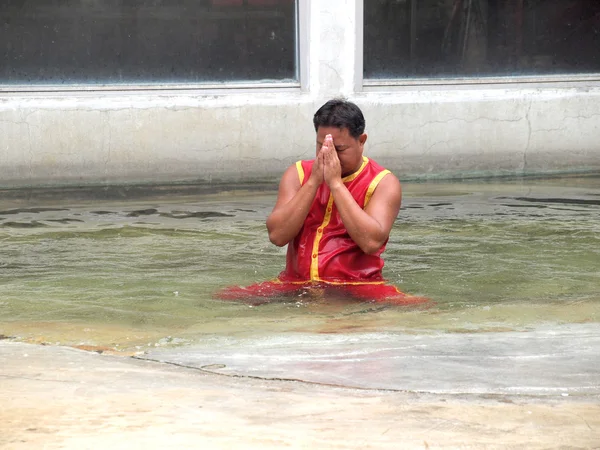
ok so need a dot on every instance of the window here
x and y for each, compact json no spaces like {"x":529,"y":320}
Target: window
{"x":63,"y":42}
{"x":480,"y":38}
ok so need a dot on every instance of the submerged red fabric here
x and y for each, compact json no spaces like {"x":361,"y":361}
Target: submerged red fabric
{"x":276,"y":289}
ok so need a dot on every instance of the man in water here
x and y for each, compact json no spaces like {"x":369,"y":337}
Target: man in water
{"x":335,"y":214}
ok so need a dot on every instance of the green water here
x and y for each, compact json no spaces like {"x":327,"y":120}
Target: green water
{"x":495,"y":255}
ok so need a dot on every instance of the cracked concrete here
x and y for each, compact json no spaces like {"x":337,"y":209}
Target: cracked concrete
{"x":62,"y":398}
{"x":158,"y":143}
{"x":529,"y":132}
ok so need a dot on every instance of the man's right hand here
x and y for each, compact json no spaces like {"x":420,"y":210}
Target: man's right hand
{"x":317,"y":174}
{"x":294,"y":199}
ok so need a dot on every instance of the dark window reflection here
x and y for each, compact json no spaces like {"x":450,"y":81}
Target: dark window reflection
{"x":462,"y":38}
{"x":146,"y":41}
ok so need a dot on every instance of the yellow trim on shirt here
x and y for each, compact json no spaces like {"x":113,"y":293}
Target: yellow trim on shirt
{"x":374,"y":184}
{"x":357,"y":173}
{"x":314,"y":263}
{"x":300,"y":171}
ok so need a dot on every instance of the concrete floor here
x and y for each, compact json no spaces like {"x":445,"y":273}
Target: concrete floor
{"x":59,"y":397}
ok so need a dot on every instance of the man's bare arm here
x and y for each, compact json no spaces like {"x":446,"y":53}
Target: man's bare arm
{"x":293,"y":203}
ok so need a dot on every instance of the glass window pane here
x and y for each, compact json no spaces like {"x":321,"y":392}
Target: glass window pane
{"x":146,"y":41}
{"x":465,"y":38}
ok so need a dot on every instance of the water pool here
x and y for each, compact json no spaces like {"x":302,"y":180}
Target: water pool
{"x":129,"y":275}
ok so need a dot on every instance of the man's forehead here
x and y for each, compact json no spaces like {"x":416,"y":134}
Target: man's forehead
{"x":334,"y":131}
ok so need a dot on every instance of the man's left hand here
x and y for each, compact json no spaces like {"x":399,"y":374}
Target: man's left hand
{"x":332,"y":169}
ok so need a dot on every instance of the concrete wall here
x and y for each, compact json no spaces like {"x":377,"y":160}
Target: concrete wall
{"x":229,"y":135}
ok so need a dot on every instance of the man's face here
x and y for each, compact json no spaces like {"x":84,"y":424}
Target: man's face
{"x":349,"y":149}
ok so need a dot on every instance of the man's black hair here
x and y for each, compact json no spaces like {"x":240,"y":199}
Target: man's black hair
{"x":340,"y":113}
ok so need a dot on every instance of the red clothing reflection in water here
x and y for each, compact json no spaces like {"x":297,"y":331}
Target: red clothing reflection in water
{"x":276,"y":289}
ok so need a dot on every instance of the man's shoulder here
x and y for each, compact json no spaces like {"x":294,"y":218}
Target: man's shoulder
{"x":379,"y":172}
{"x":305,"y":164}
{"x":303,"y":168}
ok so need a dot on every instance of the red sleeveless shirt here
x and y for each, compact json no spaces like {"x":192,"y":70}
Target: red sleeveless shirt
{"x":323,"y":251}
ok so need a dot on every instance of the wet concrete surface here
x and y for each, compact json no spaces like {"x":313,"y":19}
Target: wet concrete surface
{"x":557,"y":360}
{"x":58,"y":397}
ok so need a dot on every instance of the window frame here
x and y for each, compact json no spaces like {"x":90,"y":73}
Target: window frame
{"x":301,"y":54}
{"x":379,"y":84}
